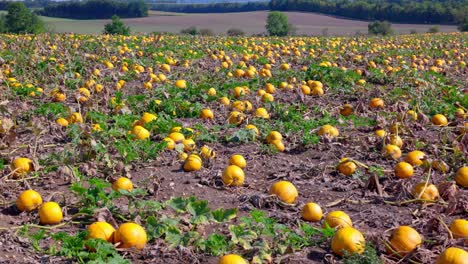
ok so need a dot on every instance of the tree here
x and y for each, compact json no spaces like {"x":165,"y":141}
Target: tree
{"x":277,"y":24}
{"x":380,"y":28}
{"x":20,"y":20}
{"x":116,"y":27}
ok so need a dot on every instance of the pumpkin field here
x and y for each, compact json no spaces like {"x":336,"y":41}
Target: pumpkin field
{"x":182,"y":149}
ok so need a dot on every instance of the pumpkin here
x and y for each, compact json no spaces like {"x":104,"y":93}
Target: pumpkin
{"x":338,"y":219}
{"x":312,"y":212}
{"x":461,"y":178}
{"x":233,"y":175}
{"x":348,"y":240}
{"x":429,"y":192}
{"x":347,"y":167}
{"x":453,"y":255}
{"x":415,"y":157}
{"x":285,"y":191}
{"x":193,"y":163}
{"x":403,"y":240}
{"x":459,"y":228}
{"x":403,"y":170}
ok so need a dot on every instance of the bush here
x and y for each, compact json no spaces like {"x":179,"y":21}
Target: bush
{"x":206,"y":32}
{"x":380,"y":28}
{"x":116,"y":27}
{"x":235,"y":32}
{"x":434,"y":29}
{"x":20,"y":19}
{"x":277,"y":24}
{"x":190,"y":31}
{"x":413,"y":31}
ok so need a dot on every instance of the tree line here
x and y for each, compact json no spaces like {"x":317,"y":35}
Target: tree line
{"x":211,"y":8}
{"x":96,"y":9}
{"x":400,"y":11}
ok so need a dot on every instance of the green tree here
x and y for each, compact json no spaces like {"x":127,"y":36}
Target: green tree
{"x":20,"y":19}
{"x":380,"y":28}
{"x":116,"y":27}
{"x":277,"y":24}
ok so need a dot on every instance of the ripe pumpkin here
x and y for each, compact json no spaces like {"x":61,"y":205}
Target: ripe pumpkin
{"x":233,"y":176}
{"x":430,"y":193}
{"x":21,"y":166}
{"x":122,"y":183}
{"x":140,"y":132}
{"x":403,"y":240}
{"x":177,"y":137}
{"x":392,"y":151}
{"x":328,"y":130}
{"x":182,"y":84}
{"x":147,"y":117}
{"x":207,"y":152}
{"x":459,"y":228}
{"x":346,"y":110}
{"x":380,"y":133}
{"x":453,"y":255}
{"x":232,"y":259}
{"x":101,"y":230}
{"x":348,"y":239}
{"x":236,"y":118}
{"x":377,"y":103}
{"x":28,"y":201}
{"x":62,"y":121}
{"x":415,"y":157}
{"x":312,"y":212}
{"x":286,"y":191}
{"x":130,"y":235}
{"x":192,"y":163}
{"x":404,"y":170}
{"x":262,"y":113}
{"x":170,"y":144}
{"x":461,"y":178}
{"x":274,"y":135}
{"x":338,"y":219}
{"x":347,"y":167}
{"x":439,"y":120}
{"x":396,"y":140}
{"x":206,"y":114}
{"x":238,"y":160}
{"x":279,"y":145}
{"x":50,"y":213}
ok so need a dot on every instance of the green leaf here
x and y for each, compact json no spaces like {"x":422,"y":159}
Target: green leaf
{"x":180,"y":203}
{"x":223,"y":215}
{"x":216,"y":244}
{"x":199,"y":211}
{"x":173,"y":236}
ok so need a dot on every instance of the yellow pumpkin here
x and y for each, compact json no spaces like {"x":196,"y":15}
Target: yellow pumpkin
{"x":415,"y":157}
{"x":453,"y":255}
{"x":338,"y":219}
{"x":347,"y":167}
{"x":193,"y":163}
{"x":233,"y":176}
{"x":349,"y":240}
{"x":403,"y":170}
{"x":461,"y":178}
{"x":403,"y":240}
{"x":459,"y":228}
{"x":232,"y":259}
{"x":286,"y":191}
{"x":429,"y":192}
{"x":312,"y":212}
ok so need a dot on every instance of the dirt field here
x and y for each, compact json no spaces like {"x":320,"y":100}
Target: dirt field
{"x":75,"y":163}
{"x":249,"y":22}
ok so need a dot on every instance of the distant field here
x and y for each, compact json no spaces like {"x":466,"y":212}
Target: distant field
{"x":250,"y":22}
